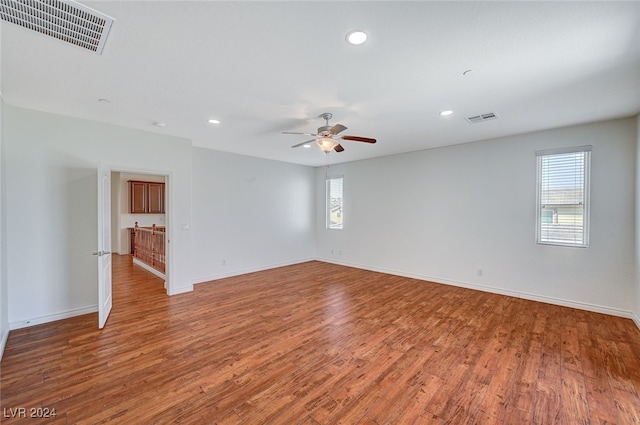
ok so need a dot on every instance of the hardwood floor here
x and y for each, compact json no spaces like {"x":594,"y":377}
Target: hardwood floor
{"x":318,"y":343}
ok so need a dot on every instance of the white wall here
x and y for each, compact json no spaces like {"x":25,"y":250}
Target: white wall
{"x":442,"y":214}
{"x":637,"y":228}
{"x":249,"y":213}
{"x":51,"y":207}
{"x":4,"y":291}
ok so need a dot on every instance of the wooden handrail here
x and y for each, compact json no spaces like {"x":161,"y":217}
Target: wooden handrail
{"x":144,"y":229}
{"x":149,"y":246}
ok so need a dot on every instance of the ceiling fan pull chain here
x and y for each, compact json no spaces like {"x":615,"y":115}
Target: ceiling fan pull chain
{"x":326,"y":168}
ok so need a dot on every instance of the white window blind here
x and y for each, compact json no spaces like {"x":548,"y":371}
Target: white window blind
{"x":334,"y":203}
{"x":563,"y":196}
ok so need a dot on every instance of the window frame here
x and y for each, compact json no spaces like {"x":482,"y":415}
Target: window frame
{"x":327,"y":209}
{"x":586,"y":189}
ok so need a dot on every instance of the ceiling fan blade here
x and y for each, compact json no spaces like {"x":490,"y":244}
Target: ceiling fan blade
{"x":338,"y":148}
{"x":337,"y":129}
{"x":303,"y":143}
{"x":304,"y":134}
{"x":359,"y":139}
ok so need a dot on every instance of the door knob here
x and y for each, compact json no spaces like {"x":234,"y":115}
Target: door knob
{"x":100,"y":253}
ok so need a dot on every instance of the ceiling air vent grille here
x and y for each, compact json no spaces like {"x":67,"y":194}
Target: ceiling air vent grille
{"x":482,"y":118}
{"x":63,"y":19}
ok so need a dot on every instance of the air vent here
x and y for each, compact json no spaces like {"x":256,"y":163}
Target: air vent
{"x":482,"y":118}
{"x":62,"y":19}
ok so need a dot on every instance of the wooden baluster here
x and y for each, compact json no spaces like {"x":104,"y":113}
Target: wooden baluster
{"x":153,"y":245}
{"x":135,"y":240}
{"x":161,"y":242}
{"x":149,"y":246}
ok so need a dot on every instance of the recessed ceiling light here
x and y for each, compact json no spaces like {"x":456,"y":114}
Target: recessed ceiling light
{"x":212,"y":121}
{"x":446,"y":113}
{"x":160,"y":124}
{"x":104,"y":101}
{"x":356,"y":37}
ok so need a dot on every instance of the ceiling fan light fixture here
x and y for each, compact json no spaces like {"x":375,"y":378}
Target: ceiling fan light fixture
{"x":325,"y":136}
{"x":326,"y":144}
{"x":356,"y":37}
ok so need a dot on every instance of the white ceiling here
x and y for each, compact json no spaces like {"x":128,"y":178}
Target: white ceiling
{"x":266,"y":67}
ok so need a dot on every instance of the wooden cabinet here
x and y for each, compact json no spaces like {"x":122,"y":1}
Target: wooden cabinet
{"x":155,"y":198}
{"x":146,"y":197}
{"x":138,"y":197}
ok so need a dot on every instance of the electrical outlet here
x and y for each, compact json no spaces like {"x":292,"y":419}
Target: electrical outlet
{"x":480,"y":272}
{"x":223,"y":262}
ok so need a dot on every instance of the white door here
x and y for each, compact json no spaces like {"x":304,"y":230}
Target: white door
{"x":105,"y":299}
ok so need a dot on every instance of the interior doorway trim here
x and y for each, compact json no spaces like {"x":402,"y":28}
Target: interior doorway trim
{"x":170,"y":226}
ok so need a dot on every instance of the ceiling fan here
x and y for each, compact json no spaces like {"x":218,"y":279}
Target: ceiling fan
{"x":327,"y":137}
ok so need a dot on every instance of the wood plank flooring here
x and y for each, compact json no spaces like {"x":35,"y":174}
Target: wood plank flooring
{"x":318,"y":343}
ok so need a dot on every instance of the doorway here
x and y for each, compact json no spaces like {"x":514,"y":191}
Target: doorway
{"x":124,"y":217}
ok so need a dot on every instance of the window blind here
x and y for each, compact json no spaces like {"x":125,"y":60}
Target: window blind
{"x":334,"y":203}
{"x":562,"y":196}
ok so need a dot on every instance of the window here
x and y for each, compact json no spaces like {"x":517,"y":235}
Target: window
{"x":562,"y":216}
{"x":334,"y":203}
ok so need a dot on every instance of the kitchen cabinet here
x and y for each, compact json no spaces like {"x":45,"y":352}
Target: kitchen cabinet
{"x":155,"y":198}
{"x":146,"y":197}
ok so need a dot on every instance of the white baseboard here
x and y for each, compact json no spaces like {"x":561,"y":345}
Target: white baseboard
{"x":636,"y":319}
{"x":3,"y":342}
{"x":148,"y":268}
{"x":53,"y":317}
{"x":180,"y":290}
{"x":524,"y":295}
{"x":249,"y":270}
